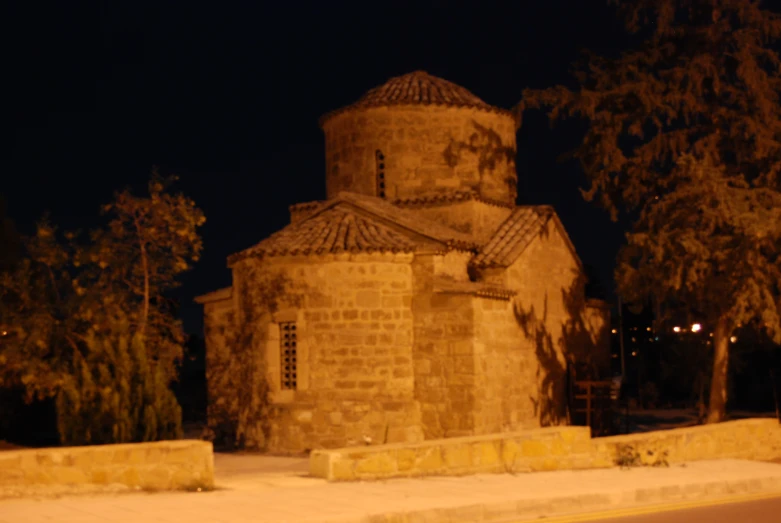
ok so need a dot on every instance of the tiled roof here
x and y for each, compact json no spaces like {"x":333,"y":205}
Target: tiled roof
{"x":513,"y":236}
{"x":332,"y":231}
{"x":409,"y":220}
{"x":418,"y":88}
{"x":418,"y":201}
{"x":357,"y":223}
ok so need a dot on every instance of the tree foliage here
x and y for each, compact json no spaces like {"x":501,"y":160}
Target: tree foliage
{"x":89,"y":323}
{"x":239,"y":416}
{"x":684,"y":135}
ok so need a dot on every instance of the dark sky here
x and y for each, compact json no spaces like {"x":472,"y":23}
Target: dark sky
{"x":227,"y":96}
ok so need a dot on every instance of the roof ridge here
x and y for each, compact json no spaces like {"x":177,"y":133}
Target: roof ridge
{"x":369,"y":224}
{"x":449,"y":197}
{"x":512,"y":236}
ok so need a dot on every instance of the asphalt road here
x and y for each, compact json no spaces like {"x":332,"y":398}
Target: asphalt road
{"x":762,"y":511}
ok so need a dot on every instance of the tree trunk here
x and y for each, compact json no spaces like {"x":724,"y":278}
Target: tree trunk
{"x":145,"y":265}
{"x":145,"y":269}
{"x":718,"y":387}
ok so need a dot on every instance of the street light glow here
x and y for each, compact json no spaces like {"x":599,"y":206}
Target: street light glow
{"x":676,"y":329}
{"x":696,"y":327}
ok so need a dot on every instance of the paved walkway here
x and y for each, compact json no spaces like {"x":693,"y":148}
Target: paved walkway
{"x":286,"y":496}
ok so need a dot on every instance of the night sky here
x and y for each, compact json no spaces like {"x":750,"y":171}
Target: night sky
{"x":227,"y":95}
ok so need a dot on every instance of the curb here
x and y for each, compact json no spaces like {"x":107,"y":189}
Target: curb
{"x":524,"y":509}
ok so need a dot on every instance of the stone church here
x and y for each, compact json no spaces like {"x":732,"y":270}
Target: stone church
{"x":418,"y":301}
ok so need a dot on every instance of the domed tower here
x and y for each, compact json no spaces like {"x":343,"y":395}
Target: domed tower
{"x":419,"y":140}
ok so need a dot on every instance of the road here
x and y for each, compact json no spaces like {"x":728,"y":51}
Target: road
{"x":762,"y":511}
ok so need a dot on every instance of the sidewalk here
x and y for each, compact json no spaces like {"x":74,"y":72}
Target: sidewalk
{"x":287,"y":496}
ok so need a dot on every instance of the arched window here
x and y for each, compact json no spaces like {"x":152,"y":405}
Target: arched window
{"x":380,"y":163}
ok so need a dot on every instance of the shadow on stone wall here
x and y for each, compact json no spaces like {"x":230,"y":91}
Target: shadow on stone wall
{"x":575,"y":345}
{"x":487,"y":145}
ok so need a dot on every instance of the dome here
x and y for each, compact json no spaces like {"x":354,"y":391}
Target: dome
{"x":421,"y":137}
{"x":417,"y":88}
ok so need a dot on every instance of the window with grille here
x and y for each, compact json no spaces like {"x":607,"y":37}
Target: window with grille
{"x":380,"y":159}
{"x":288,"y":366}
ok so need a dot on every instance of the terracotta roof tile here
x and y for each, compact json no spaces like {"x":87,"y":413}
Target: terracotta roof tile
{"x":409,"y":220}
{"x":332,"y":231}
{"x":418,"y":88}
{"x":357,"y":223}
{"x":513,"y":236}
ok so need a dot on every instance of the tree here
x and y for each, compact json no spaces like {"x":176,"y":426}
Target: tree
{"x":91,"y":323}
{"x":684,"y":136}
{"x":36,"y":316}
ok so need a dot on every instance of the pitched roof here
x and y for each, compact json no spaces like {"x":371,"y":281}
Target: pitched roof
{"x":418,"y":88}
{"x":218,"y":295}
{"x":357,"y":223}
{"x":515,"y":234}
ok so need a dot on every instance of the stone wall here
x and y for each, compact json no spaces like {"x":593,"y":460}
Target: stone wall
{"x":426,"y":150}
{"x":167,"y":465}
{"x":554,"y":448}
{"x":443,"y":355}
{"x":550,"y":312}
{"x":756,"y":439}
{"x":355,"y":372}
{"x":506,"y":393}
{"x":534,"y":450}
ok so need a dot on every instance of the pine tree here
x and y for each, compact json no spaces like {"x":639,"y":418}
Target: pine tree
{"x":684,"y":135}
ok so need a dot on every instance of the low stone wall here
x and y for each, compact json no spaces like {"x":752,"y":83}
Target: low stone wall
{"x":533,"y":450}
{"x":164,"y":465}
{"x":754,"y":439}
{"x":555,"y":448}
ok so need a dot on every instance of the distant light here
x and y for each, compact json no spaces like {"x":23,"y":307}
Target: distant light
{"x":648,"y":329}
{"x":656,"y":338}
{"x":634,"y":353}
{"x":696,"y":327}
{"x":676,"y":329}
{"x":5,"y":333}
{"x":633,"y":340}
{"x":615,"y":355}
{"x":613,"y":331}
{"x":711,"y":334}
{"x":733,"y":339}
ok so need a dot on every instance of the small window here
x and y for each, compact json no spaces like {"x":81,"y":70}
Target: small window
{"x":288,"y":364}
{"x":380,"y":164}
